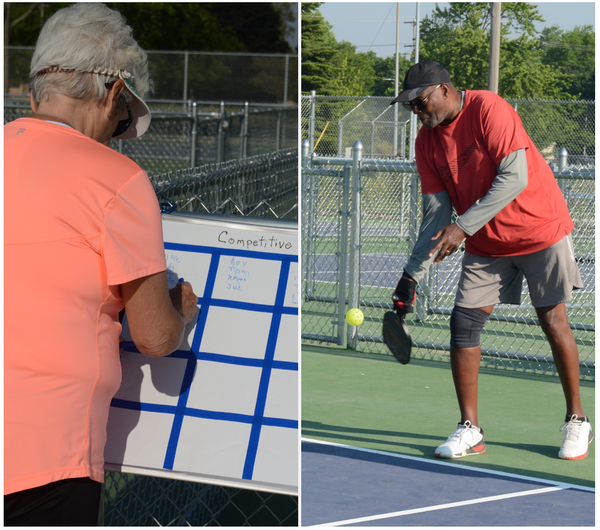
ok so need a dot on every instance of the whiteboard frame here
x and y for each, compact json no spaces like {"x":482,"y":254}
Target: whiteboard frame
{"x":285,"y":228}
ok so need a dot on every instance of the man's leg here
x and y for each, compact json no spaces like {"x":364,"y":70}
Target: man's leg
{"x":465,"y":373}
{"x":578,"y":431}
{"x":555,"y":324}
{"x":465,"y":355}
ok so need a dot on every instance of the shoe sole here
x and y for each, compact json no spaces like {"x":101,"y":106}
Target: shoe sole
{"x":477,"y":450}
{"x":575,"y":457}
{"x":581,"y":457}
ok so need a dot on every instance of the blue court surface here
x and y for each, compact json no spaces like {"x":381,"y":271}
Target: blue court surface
{"x":351,"y":486}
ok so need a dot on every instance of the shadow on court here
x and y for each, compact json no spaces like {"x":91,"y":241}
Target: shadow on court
{"x":362,"y":437}
{"x":343,"y":486}
{"x":405,"y":412}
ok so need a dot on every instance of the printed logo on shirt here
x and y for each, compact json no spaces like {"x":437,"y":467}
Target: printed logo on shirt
{"x":20,"y":131}
{"x":446,"y":171}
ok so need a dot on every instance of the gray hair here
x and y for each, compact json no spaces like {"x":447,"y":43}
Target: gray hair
{"x":82,"y":47}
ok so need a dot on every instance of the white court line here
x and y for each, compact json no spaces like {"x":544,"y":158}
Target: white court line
{"x":560,"y":485}
{"x":440,"y":507}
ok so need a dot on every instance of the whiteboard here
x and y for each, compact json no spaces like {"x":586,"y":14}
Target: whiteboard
{"x":223,"y":409}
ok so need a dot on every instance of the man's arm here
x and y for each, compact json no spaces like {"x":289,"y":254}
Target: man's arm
{"x":510,"y":181}
{"x":437,"y":213}
{"x":156,"y":315}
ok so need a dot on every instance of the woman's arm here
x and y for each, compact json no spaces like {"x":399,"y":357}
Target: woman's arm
{"x":157,"y":316}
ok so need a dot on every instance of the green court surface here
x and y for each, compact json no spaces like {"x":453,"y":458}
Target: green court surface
{"x":371,"y":401}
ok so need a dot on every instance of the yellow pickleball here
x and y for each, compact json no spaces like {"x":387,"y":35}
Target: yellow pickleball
{"x":355,"y":317}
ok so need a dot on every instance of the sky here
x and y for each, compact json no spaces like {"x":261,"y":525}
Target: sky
{"x":371,"y":26}
{"x":292,"y":38}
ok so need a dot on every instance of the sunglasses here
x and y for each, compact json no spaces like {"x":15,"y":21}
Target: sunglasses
{"x":419,"y":103}
{"x":123,"y":125}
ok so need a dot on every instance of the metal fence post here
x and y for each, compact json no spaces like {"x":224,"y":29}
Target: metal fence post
{"x":244,"y":133}
{"x":413,"y":230}
{"x":285,"y":81}
{"x":339,"y":149}
{"x":311,"y":122}
{"x":343,"y":257}
{"x":185,"y":77}
{"x":278,"y":131}
{"x":283,"y":126}
{"x":355,"y":229}
{"x":372,"y":137}
{"x":563,"y":157}
{"x":413,"y":136}
{"x":309,"y":211}
{"x":220,"y":134}
{"x":194,"y":136}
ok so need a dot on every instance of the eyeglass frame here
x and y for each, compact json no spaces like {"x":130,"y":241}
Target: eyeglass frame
{"x":123,"y":125}
{"x":420,"y":103}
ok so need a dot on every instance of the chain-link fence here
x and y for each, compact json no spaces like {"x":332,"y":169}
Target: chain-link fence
{"x":183,"y":75}
{"x":206,"y":108}
{"x":332,"y":124}
{"x":136,"y":500}
{"x":360,"y":219}
{"x":206,"y":134}
{"x":266,"y":186}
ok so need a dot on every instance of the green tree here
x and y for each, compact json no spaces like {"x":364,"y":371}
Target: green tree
{"x":458,"y":37}
{"x":318,"y":46}
{"x":355,"y":75}
{"x":572,"y":53}
{"x":385,"y":74}
{"x":23,"y":21}
{"x":174,"y":26}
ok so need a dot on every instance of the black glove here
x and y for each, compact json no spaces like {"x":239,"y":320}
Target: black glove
{"x":404,"y":296}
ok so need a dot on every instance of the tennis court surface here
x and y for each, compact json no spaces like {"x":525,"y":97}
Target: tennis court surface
{"x":370,"y":427}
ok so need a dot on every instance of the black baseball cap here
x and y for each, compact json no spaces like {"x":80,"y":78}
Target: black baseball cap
{"x":420,"y":76}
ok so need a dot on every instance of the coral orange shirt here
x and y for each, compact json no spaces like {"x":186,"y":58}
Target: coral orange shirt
{"x":79,"y":220}
{"x":463,"y":159}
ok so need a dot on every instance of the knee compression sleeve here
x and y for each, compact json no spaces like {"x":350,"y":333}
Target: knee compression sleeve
{"x":465,"y":326}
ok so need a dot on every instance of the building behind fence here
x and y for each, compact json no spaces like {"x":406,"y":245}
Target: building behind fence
{"x":361,"y":214}
{"x":266,"y":186}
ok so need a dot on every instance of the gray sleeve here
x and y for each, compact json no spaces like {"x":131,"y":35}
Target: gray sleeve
{"x":437,"y":213}
{"x":510,"y":181}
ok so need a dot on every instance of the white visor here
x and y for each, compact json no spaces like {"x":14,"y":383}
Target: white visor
{"x":139,"y":111}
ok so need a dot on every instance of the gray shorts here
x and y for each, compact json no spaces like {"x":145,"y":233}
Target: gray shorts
{"x":552,"y":274}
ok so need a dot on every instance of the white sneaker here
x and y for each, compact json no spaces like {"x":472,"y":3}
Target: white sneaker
{"x":464,"y":441}
{"x":577,"y":438}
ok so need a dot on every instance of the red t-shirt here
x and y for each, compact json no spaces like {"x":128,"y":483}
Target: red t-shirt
{"x":80,"y":220}
{"x":462,"y":158}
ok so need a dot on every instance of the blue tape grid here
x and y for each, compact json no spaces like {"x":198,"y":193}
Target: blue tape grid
{"x":268,"y":364}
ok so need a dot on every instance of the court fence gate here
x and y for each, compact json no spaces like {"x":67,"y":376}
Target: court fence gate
{"x":360,"y":220}
{"x":264,"y":186}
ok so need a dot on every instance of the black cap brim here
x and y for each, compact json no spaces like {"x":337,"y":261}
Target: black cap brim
{"x":409,"y":95}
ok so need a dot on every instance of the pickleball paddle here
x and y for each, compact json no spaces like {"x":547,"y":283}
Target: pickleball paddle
{"x":397,"y":337}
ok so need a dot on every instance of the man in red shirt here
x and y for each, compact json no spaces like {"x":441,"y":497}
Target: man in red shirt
{"x":474,"y":154}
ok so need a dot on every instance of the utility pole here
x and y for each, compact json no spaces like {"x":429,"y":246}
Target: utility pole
{"x":495,"y":28}
{"x":396,"y":81}
{"x":413,"y":117}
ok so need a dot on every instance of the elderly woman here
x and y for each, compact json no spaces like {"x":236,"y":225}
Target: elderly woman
{"x":83,"y":240}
